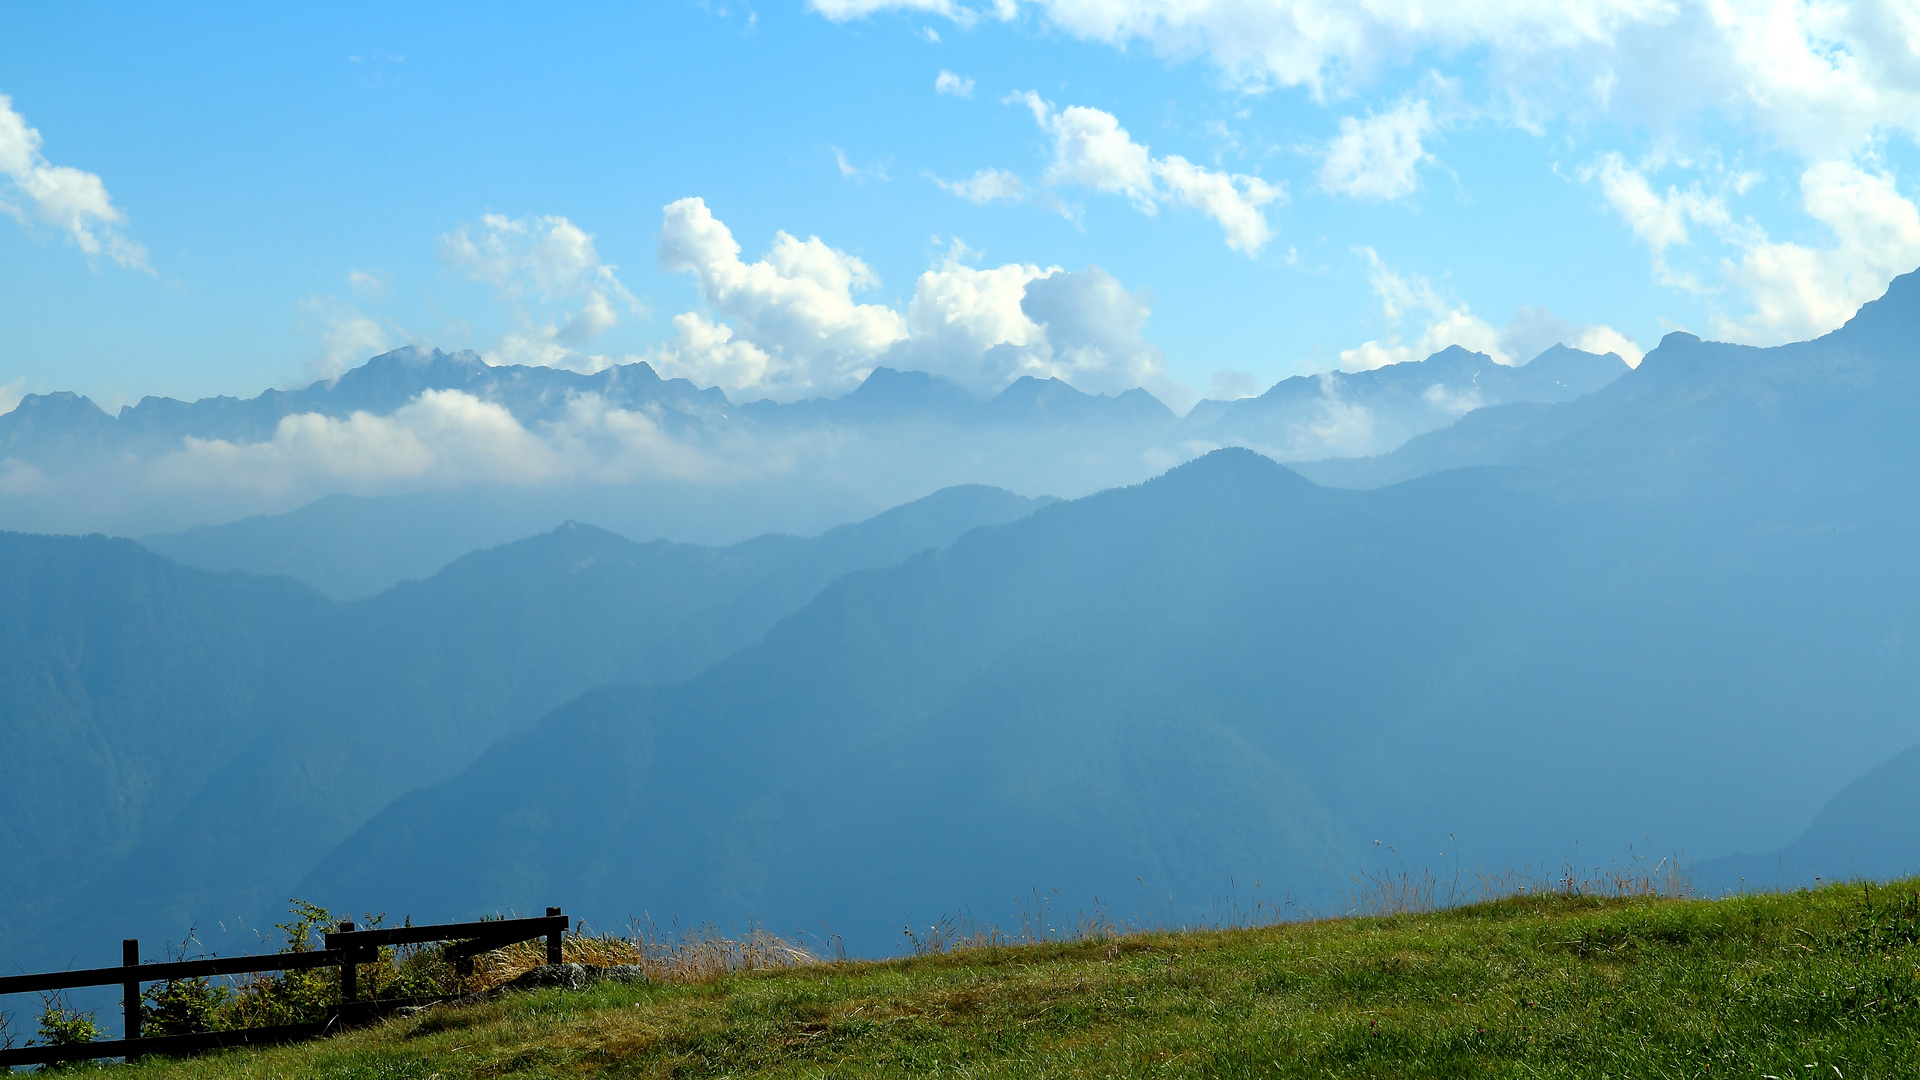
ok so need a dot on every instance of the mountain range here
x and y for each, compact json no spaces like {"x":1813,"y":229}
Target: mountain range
{"x":495,"y":453}
{"x":1668,"y":611}
{"x":1675,"y":616}
{"x":200,"y":738}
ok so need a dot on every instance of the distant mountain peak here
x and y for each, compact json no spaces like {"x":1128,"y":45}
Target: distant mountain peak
{"x":1893,"y":319}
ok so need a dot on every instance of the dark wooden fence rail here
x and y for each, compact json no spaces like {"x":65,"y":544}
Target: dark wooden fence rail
{"x":346,"y":949}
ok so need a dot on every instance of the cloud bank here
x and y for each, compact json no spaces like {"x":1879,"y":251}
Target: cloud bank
{"x":442,"y":438}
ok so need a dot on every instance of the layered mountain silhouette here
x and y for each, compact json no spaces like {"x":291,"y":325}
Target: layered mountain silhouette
{"x":1410,"y":398}
{"x":422,"y":437}
{"x":1867,"y":831}
{"x":1678,"y":619}
{"x":1671,"y":610}
{"x":200,"y":738}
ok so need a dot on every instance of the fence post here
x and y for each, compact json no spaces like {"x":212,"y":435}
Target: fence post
{"x":349,"y":973}
{"x":553,"y":939}
{"x":130,"y":991}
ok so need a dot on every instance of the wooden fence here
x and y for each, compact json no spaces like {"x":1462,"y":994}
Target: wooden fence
{"x":346,"y":948}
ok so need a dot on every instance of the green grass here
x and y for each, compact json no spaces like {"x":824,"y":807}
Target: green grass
{"x":1808,"y":984}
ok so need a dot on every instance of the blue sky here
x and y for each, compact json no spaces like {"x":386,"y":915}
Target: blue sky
{"x":223,"y":198}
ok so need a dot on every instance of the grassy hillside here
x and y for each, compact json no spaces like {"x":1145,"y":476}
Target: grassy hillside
{"x":1804,"y":984}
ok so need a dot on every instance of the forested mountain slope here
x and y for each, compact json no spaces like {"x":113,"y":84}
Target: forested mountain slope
{"x":199,"y":739}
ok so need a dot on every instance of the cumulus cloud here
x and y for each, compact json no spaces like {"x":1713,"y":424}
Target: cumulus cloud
{"x":789,"y":326}
{"x":546,"y":270}
{"x":967,"y":323}
{"x":1530,"y":332}
{"x":949,"y":83}
{"x":1378,"y":157}
{"x":795,"y":306}
{"x":1094,"y":331}
{"x":60,"y":196}
{"x":1092,"y":150}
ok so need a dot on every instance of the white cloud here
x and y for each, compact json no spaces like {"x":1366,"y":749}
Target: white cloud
{"x":857,"y":174}
{"x":985,"y":186}
{"x":795,"y":305}
{"x":446,"y":436}
{"x":1799,"y":292}
{"x":1828,"y":81}
{"x":549,"y":274}
{"x":11,"y":393}
{"x":1530,"y":332}
{"x":1824,"y":77}
{"x":1791,"y":291}
{"x":1324,"y":45}
{"x":961,"y":14}
{"x":1233,"y":201}
{"x":1091,"y":149}
{"x":1094,"y":335}
{"x":369,"y":282}
{"x":949,"y":83}
{"x":443,"y":438}
{"x":706,"y":352}
{"x":60,"y":196}
{"x":967,"y":324}
{"x":1603,"y":340}
{"x":1659,"y":221}
{"x":792,"y":328}
{"x":1378,"y":158}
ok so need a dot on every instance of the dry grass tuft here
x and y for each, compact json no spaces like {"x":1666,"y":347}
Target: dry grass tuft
{"x":1422,"y":891}
{"x":673,"y":956}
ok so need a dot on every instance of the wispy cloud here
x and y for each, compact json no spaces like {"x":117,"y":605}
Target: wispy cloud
{"x":955,"y":85}
{"x":68,"y":199}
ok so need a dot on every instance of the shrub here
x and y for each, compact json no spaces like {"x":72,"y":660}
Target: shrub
{"x":184,"y":1007}
{"x":62,"y":1025}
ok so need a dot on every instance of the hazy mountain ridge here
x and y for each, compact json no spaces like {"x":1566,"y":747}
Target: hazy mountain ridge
{"x":1866,"y":831}
{"x":1706,"y":405}
{"x":542,"y":444}
{"x":379,"y":386}
{"x":344,"y":707}
{"x":1441,"y":386}
{"x":1698,"y":595}
{"x":1315,"y":416}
